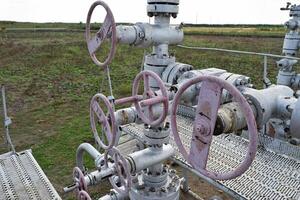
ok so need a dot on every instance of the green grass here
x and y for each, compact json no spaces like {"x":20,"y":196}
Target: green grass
{"x":50,"y":79}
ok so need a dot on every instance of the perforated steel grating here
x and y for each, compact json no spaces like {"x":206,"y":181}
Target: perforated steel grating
{"x":271,"y":176}
{"x":22,"y":178}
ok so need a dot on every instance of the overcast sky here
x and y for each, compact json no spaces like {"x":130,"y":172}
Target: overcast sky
{"x":191,"y":11}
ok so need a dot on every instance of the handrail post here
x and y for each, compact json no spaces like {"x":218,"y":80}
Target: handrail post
{"x":7,"y":122}
{"x":265,"y":77}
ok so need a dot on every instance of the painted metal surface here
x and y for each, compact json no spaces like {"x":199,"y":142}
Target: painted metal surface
{"x":213,"y":91}
{"x":271,"y":176}
{"x":79,"y":181}
{"x":122,"y":171}
{"x":295,"y":121}
{"x":87,"y":148}
{"x":143,"y":103}
{"x":22,"y":178}
{"x":107,"y":30}
{"x":83,"y":195}
{"x":108,"y":123}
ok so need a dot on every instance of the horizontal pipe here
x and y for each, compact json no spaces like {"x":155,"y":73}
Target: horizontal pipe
{"x":152,"y":101}
{"x":128,"y":100}
{"x":93,"y":178}
{"x":141,"y":160}
{"x":114,"y":195}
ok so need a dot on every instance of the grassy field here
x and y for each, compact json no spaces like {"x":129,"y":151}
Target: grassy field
{"x":50,"y":79}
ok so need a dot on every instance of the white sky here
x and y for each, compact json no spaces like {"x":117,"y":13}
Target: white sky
{"x":202,"y":11}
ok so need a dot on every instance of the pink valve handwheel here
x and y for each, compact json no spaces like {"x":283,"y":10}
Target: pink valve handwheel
{"x":121,"y":167}
{"x":108,"y":29}
{"x":79,"y":180}
{"x":83,"y":195}
{"x":108,"y":122}
{"x":205,"y":120}
{"x":148,"y":99}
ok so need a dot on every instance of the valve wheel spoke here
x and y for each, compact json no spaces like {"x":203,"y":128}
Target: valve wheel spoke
{"x":79,"y":181}
{"x":122,"y":171}
{"x":150,"y":99}
{"x":205,"y":119}
{"x":107,"y":30}
{"x":107,"y":122}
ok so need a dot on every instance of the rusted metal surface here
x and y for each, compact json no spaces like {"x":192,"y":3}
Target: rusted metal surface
{"x":253,"y":136}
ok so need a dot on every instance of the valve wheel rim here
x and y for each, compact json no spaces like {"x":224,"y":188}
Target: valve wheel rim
{"x":252,"y":128}
{"x":145,"y":75}
{"x":109,"y":125}
{"x":79,"y":180}
{"x":109,"y":24}
{"x":83,"y":195}
{"x":119,"y":164}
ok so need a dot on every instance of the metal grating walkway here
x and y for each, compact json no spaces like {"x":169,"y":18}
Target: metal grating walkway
{"x":21,"y":178}
{"x":271,"y":176}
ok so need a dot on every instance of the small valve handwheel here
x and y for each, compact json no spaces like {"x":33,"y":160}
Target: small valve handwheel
{"x":123,"y":183}
{"x":204,"y":125}
{"x":79,"y":181}
{"x":83,"y":195}
{"x":144,"y":103}
{"x":108,"y":122}
{"x":149,"y":98}
{"x":107,"y":30}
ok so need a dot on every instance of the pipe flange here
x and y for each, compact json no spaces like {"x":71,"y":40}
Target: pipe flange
{"x":156,"y":136}
{"x":153,"y":60}
{"x":163,"y":7}
{"x":174,"y":71}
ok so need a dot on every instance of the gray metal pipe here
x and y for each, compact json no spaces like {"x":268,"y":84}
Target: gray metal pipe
{"x":114,"y":195}
{"x":141,"y":160}
{"x":93,"y":178}
{"x":88,"y":148}
{"x":145,"y":35}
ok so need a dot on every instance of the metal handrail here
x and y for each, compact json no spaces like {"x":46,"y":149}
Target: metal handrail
{"x":238,"y":52}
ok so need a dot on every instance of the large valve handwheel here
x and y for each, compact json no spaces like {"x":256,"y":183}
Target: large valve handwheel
{"x":204,"y":125}
{"x":123,"y":176}
{"x":108,"y":122}
{"x":107,"y":30}
{"x":83,"y":195}
{"x":79,"y":181}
